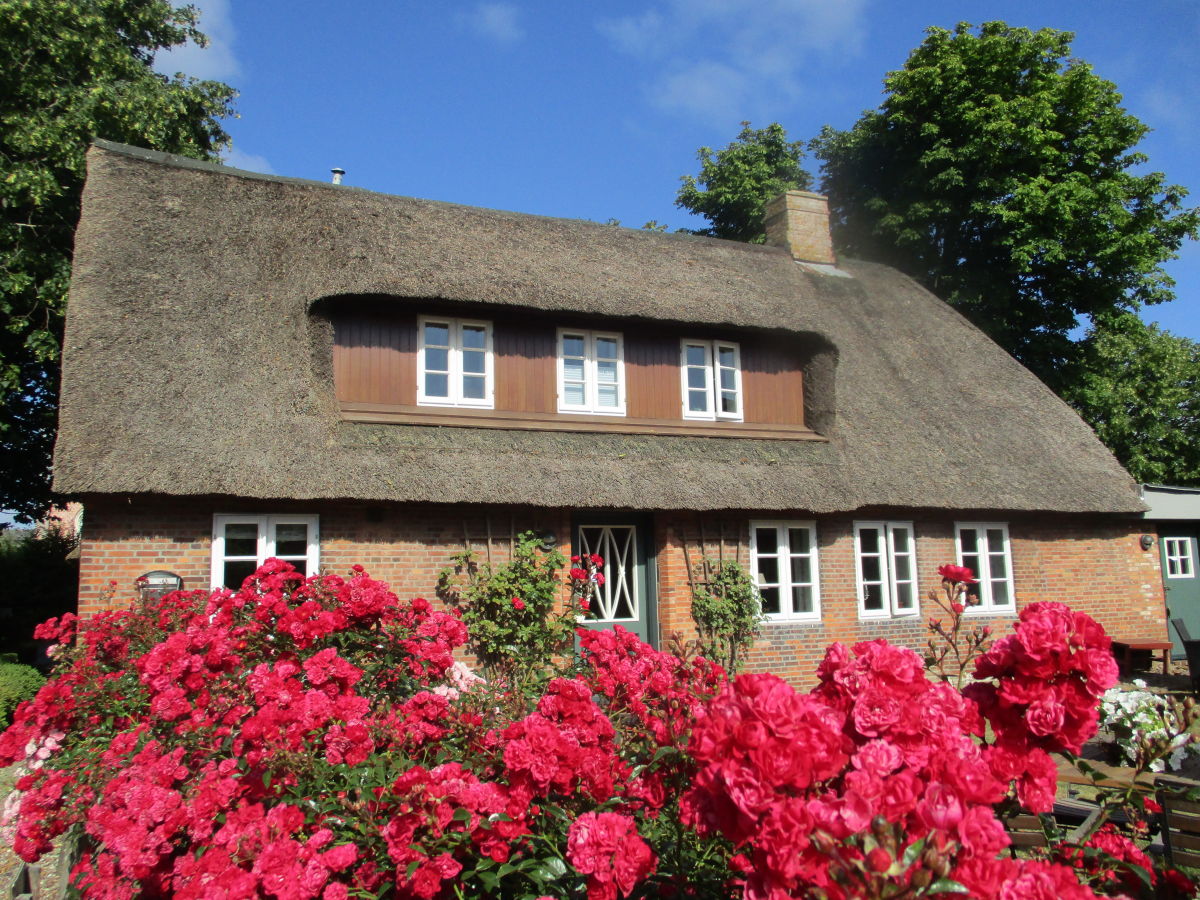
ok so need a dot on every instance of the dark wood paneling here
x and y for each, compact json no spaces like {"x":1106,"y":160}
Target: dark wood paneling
{"x":773,"y":385}
{"x":374,"y":359}
{"x":525,"y":374}
{"x":652,"y":377}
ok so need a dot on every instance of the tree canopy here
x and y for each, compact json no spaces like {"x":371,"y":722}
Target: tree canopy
{"x":74,"y":70}
{"x":1139,"y":387}
{"x":1002,"y":173}
{"x":736,"y":183}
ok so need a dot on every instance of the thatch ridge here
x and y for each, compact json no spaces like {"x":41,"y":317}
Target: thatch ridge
{"x":192,"y":365}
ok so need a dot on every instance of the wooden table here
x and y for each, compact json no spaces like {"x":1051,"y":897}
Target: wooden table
{"x":1123,"y":651}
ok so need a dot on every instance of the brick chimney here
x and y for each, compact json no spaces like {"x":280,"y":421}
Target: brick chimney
{"x":799,"y":222}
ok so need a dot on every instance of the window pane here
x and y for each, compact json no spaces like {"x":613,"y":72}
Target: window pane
{"x":868,"y":540}
{"x":606,"y":395}
{"x":697,"y":401}
{"x":967,"y":539}
{"x":437,"y":360}
{"x":768,"y":570}
{"x":900,"y":539}
{"x":873,"y":597}
{"x":606,"y":371}
{"x":903,"y":568}
{"x":473,"y":362}
{"x":437,"y":385}
{"x":573,"y":369}
{"x":728,"y":381}
{"x":726,"y":357}
{"x":606,"y":348}
{"x":801,"y":570}
{"x":241,"y":540}
{"x":474,"y":387}
{"x":765,"y":540}
{"x":871,"y":569}
{"x":573,"y":394}
{"x":999,"y":593}
{"x":995,"y":538}
{"x":770,"y":599}
{"x":237,"y":572}
{"x":802,"y":599}
{"x":904,"y":596}
{"x":437,"y":333}
{"x":572,"y":345}
{"x":474,"y":337}
{"x":695,"y":355}
{"x":729,"y":403}
{"x":798,"y":540}
{"x":291,"y":540}
{"x":999,"y":567}
{"x":697,"y":378}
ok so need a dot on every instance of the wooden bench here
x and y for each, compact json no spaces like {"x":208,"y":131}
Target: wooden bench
{"x":1124,"y":650}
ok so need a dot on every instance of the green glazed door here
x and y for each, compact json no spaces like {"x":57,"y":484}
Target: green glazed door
{"x":1178,"y":549}
{"x":626,"y":597}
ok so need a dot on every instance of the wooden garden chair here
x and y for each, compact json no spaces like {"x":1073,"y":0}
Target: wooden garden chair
{"x":1180,"y":802}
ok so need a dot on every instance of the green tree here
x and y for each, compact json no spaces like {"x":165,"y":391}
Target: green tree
{"x":735,"y":184}
{"x":1139,"y":387}
{"x":1000,"y":172}
{"x":73,"y":70}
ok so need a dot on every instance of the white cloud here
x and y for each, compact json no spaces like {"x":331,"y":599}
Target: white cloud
{"x":496,"y":21}
{"x":251,"y":162}
{"x":741,"y":53}
{"x":217,"y":60}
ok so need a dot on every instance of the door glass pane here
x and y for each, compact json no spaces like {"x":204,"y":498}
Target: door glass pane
{"x":291,"y":540}
{"x":241,"y":539}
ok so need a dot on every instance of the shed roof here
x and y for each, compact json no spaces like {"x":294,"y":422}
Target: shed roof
{"x":193,"y":364}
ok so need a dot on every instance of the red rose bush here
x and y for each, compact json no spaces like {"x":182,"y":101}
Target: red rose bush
{"x":316,"y":738}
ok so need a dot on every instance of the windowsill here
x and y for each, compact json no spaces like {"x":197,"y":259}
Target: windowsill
{"x":889,"y":617}
{"x":487,"y":418}
{"x":781,"y":619}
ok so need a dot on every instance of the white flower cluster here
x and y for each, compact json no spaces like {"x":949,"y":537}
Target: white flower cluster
{"x":1133,"y":716}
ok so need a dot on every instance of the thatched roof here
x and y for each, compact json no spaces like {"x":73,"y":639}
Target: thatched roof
{"x":192,"y":364}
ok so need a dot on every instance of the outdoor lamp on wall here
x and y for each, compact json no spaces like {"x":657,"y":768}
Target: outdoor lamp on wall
{"x":1147,"y":541}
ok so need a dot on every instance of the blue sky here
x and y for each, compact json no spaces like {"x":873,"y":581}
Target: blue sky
{"x":595,"y":111}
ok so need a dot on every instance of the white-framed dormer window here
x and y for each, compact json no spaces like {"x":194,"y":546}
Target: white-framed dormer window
{"x":711,"y":379}
{"x":984,"y":548}
{"x":591,"y":372}
{"x":885,"y":565}
{"x":241,"y":543}
{"x":784,"y":565}
{"x":1178,"y":552}
{"x":455,"y":365}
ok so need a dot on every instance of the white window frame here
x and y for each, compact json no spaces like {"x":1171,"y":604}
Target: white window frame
{"x":783,"y":555}
{"x":455,"y":374}
{"x":1188,"y":569}
{"x":591,"y":401}
{"x":987,"y":603}
{"x":890,"y":584}
{"x":712,"y":368}
{"x":267,"y":528}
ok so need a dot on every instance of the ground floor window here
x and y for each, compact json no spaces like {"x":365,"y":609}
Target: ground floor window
{"x":983,"y":547}
{"x":242,"y":543}
{"x":885,"y":566}
{"x":783,"y":560}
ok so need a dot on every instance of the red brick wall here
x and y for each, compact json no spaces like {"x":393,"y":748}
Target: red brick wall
{"x":1093,"y":565}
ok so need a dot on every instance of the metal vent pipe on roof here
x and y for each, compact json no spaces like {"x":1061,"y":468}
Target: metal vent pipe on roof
{"x":337,"y":174}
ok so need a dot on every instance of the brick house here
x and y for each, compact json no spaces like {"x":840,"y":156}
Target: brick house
{"x":258,"y":366}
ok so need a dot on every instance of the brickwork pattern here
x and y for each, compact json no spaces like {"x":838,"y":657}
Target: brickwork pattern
{"x":1094,"y":565}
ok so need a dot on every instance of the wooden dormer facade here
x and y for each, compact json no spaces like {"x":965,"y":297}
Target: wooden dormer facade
{"x":502,"y":368}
